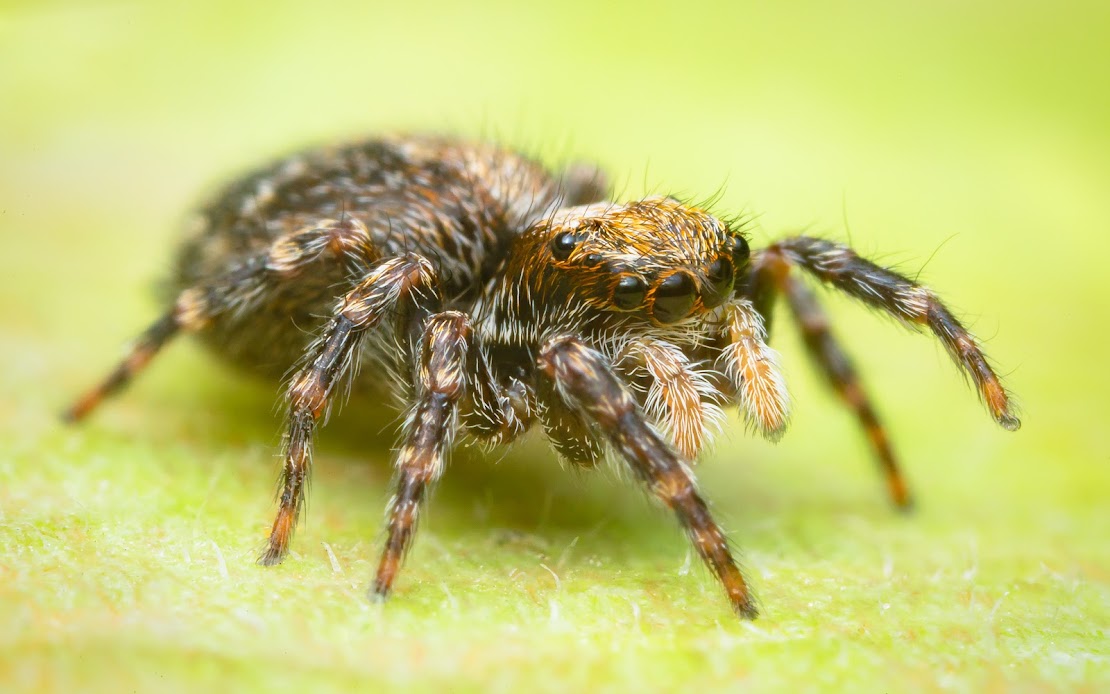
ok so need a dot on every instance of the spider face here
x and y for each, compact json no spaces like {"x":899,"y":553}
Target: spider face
{"x":491,"y":296}
{"x":656,"y":258}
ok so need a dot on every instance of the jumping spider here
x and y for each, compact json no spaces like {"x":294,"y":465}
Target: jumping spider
{"x":491,"y":294}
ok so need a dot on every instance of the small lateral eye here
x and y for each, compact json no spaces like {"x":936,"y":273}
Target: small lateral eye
{"x":740,"y":250}
{"x":563,"y":244}
{"x":674,"y":297}
{"x":720,"y":275}
{"x":629,"y":293}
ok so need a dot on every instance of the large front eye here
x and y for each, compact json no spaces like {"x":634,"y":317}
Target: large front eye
{"x":629,"y":292}
{"x":674,"y":297}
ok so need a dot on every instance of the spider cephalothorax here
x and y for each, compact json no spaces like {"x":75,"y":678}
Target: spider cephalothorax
{"x":498,"y":295}
{"x":656,"y":258}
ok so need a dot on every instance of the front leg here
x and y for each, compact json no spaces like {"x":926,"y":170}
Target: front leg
{"x":586,"y":382}
{"x":772,"y":275}
{"x":915,"y":305}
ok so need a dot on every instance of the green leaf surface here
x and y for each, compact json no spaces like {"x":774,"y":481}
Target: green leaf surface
{"x":968,"y":139}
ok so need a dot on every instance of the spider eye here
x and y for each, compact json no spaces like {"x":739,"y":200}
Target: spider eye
{"x":721,"y":275}
{"x":630,"y":292}
{"x":740,"y":250}
{"x":674,"y":297}
{"x":563,"y":244}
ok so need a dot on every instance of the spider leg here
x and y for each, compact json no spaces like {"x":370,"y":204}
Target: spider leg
{"x":492,"y":412}
{"x":138,"y":356}
{"x":428,"y":432}
{"x":584,"y":183}
{"x":753,"y":369}
{"x":772,"y":275}
{"x":904,"y":299}
{"x":574,"y":437}
{"x":403,"y":283}
{"x":678,"y":396}
{"x":585,"y":380}
{"x":195,"y":307}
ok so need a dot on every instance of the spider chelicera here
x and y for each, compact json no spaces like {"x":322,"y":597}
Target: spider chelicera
{"x":490,"y":294}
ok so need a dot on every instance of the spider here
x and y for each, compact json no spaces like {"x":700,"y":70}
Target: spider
{"x":490,"y":295}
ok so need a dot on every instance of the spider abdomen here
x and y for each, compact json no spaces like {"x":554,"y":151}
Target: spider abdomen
{"x":278,"y":248}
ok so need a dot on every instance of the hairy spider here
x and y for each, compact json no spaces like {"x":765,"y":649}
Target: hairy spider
{"x":492,"y":295}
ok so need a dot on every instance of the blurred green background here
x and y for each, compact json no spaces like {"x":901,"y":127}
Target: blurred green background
{"x":966,"y":138}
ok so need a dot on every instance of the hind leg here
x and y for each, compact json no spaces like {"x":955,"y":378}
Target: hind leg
{"x":138,"y":356}
{"x":232,"y":293}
